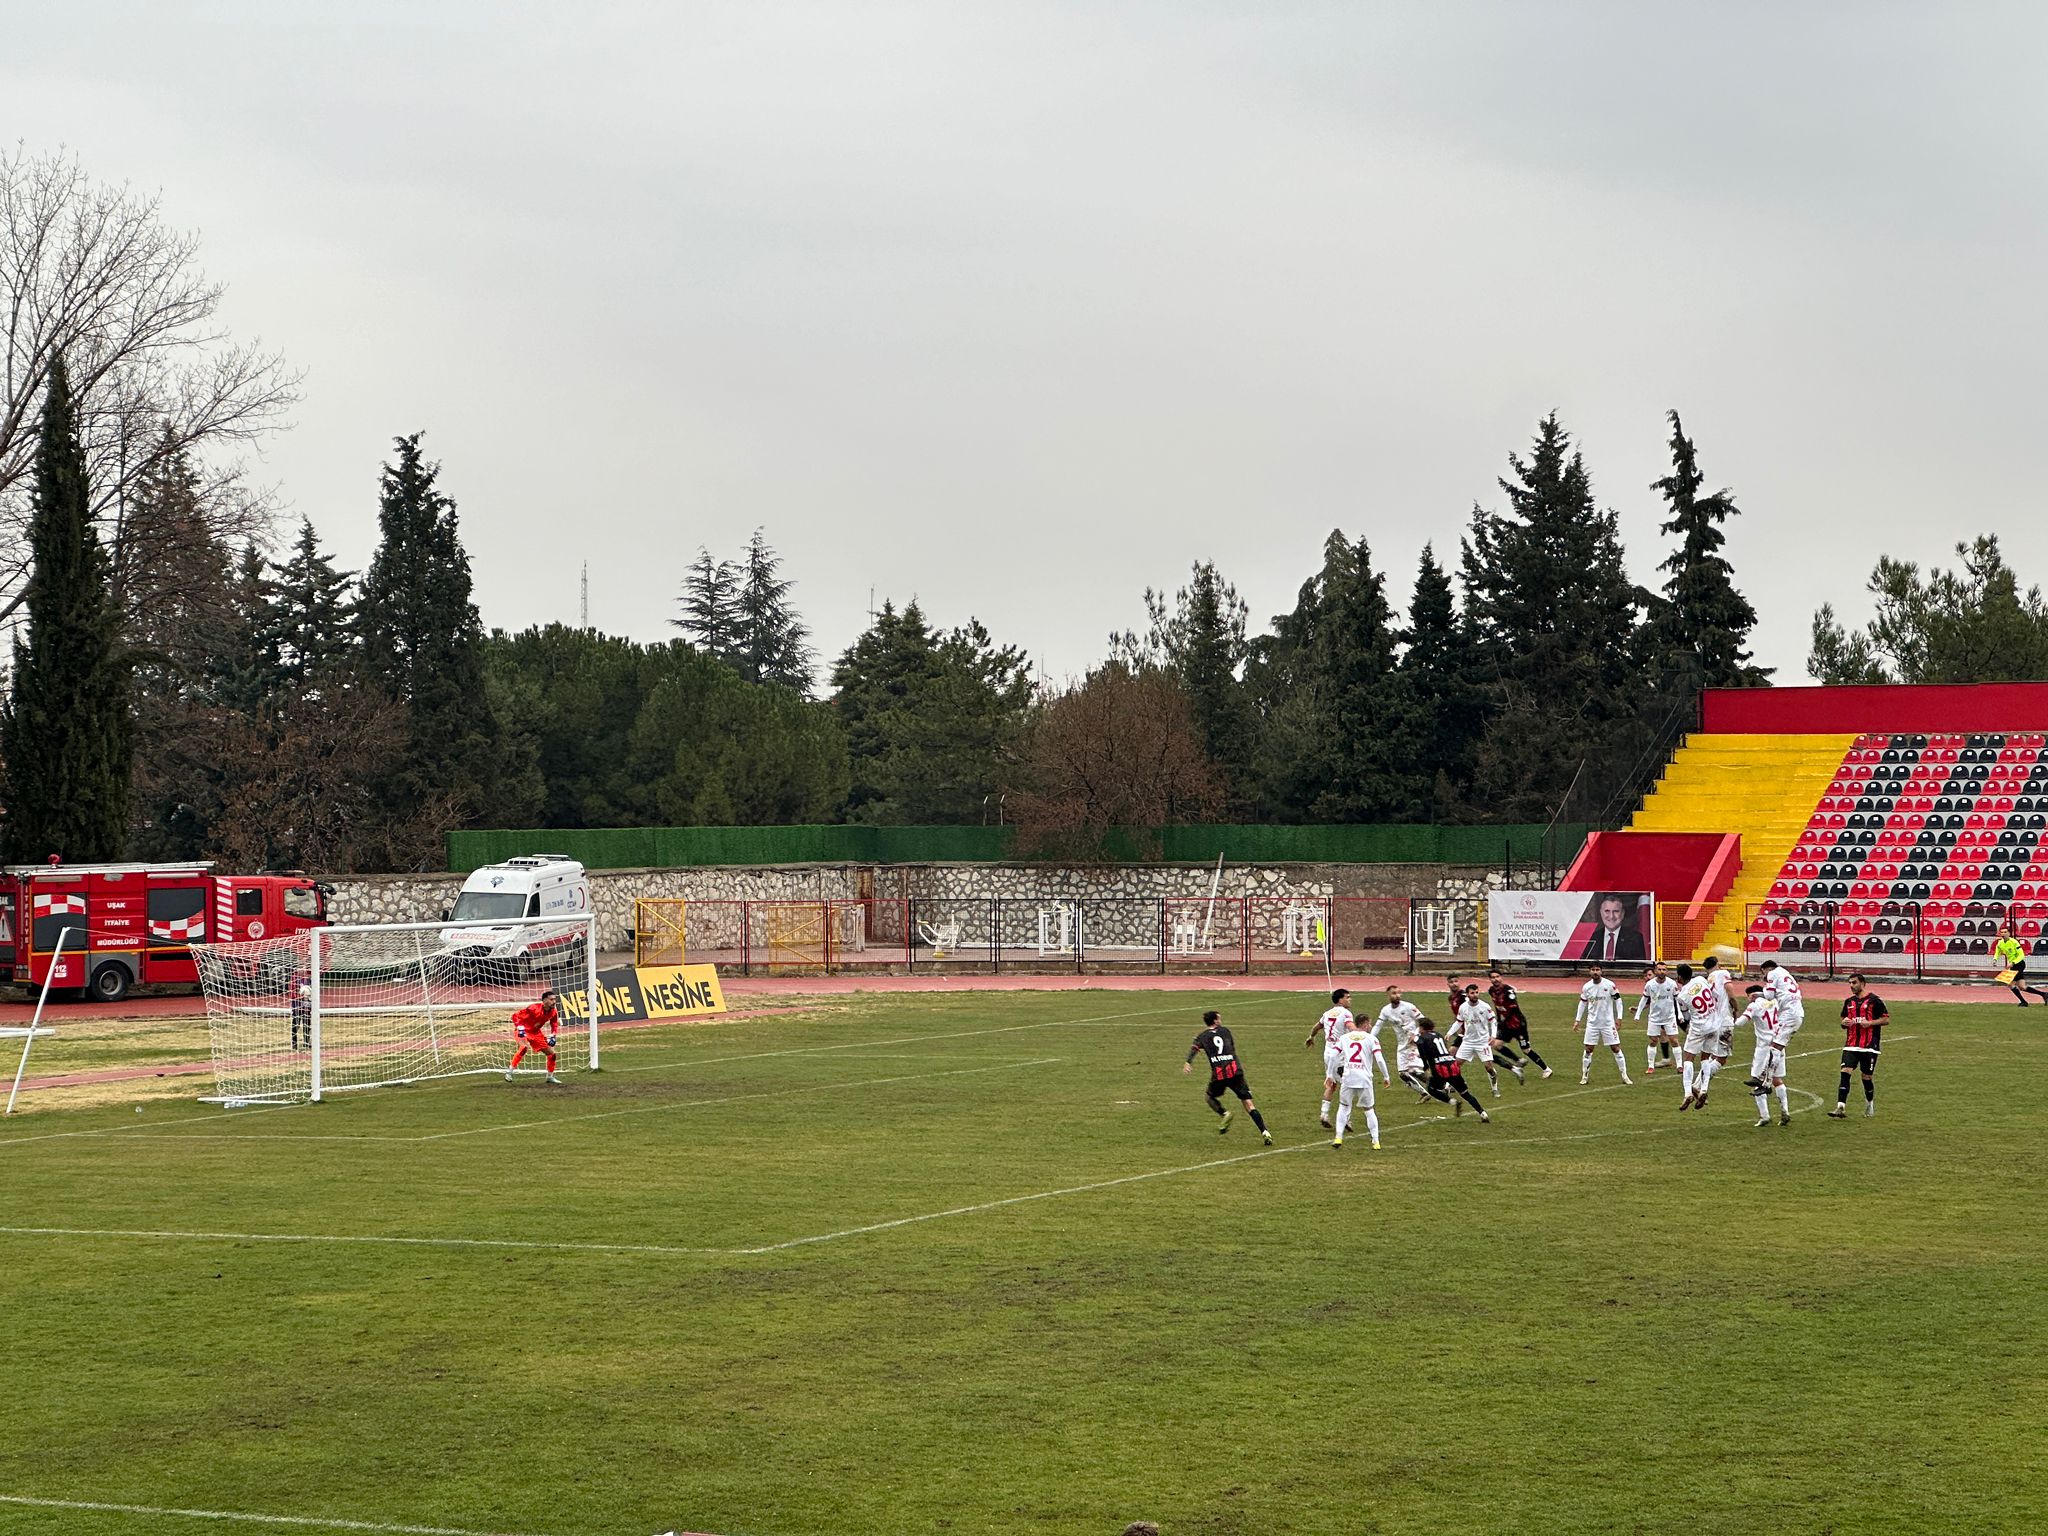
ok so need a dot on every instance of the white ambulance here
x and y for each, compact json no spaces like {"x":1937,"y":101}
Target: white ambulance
{"x":535,"y":885}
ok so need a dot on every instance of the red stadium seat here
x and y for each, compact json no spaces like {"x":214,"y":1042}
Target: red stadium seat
{"x":1768,"y":942}
{"x":1780,"y":888}
{"x":1849,"y":943}
{"x":1944,"y":927}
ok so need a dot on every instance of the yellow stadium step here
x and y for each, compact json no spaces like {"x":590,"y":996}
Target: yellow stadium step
{"x":1764,"y":789}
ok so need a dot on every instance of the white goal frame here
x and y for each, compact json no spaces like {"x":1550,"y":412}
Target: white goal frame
{"x":453,"y":946}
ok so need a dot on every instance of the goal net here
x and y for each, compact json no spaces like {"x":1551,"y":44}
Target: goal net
{"x":331,"y":1009}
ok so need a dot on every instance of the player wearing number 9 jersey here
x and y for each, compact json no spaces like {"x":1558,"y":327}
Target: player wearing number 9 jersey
{"x":1359,"y":1052}
{"x":1226,"y":1072}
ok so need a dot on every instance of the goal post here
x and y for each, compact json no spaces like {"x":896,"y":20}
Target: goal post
{"x":375,"y":1005}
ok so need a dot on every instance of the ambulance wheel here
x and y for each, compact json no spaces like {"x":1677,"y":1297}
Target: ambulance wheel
{"x":109,"y":984}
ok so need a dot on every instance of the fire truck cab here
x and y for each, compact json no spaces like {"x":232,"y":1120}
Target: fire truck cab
{"x":134,"y":924}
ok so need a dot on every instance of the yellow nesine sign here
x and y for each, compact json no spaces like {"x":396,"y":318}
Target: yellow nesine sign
{"x":649,"y":992}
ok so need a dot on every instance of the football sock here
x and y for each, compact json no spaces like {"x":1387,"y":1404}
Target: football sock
{"x":1257,"y":1119}
{"x":1621,"y":1065}
{"x":1686,"y":1076}
{"x":551,"y":1061}
{"x":1784,"y":1098}
{"x":1535,"y":1058}
{"x":1343,"y":1120}
{"x":1325,"y":1111}
{"x":1466,"y":1095}
{"x":1216,"y":1103}
{"x":1502,"y":1053}
{"x":1372,"y":1124}
{"x":517,"y":1057}
{"x":1869,"y":1089}
{"x":1650,"y":1059}
{"x":1763,"y":1107}
{"x":1842,"y":1093}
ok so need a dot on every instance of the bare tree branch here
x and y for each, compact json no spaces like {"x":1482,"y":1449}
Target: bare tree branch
{"x":95,"y":273}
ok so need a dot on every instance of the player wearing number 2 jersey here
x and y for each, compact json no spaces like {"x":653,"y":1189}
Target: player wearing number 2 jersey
{"x":1332,"y":1027}
{"x":1359,"y":1052}
{"x":1226,"y":1072}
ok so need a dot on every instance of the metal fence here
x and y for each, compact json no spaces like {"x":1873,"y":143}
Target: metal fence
{"x":1905,"y":938}
{"x":1244,"y":935}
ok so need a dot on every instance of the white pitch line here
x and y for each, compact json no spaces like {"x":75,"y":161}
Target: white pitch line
{"x":737,"y":1098}
{"x":303,"y":1522}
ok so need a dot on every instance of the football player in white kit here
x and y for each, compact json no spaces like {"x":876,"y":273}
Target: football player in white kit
{"x":1472,"y":1034}
{"x":1660,"y":1001}
{"x":1600,"y":1009}
{"x":1358,"y":1053}
{"x":1782,"y":988}
{"x":1404,"y":1021}
{"x":1767,"y":1066}
{"x":1709,"y":1028}
{"x":1331,"y":1026}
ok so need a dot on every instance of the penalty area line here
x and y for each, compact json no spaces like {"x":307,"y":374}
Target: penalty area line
{"x":243,"y":1517}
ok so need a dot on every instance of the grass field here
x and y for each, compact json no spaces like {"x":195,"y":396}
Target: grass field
{"x":980,"y":1263}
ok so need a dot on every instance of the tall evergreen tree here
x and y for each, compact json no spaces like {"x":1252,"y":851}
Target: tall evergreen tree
{"x":1553,"y":616}
{"x":1440,"y":700}
{"x":1969,"y":625}
{"x":1199,"y":637}
{"x":770,"y":643}
{"x":423,"y":642}
{"x":312,"y":615}
{"x":1701,"y":627}
{"x":1332,"y":747}
{"x":710,"y":604}
{"x":66,"y":733}
{"x":930,"y":718}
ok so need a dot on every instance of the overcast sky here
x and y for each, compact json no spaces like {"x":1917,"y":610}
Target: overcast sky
{"x":1018,"y":309}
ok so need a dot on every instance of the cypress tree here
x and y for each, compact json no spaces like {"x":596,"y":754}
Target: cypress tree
{"x":1357,"y":706}
{"x":66,"y":733}
{"x":1703,"y":623}
{"x":423,"y":641}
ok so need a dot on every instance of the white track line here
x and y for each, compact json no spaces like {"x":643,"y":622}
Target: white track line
{"x":303,"y":1522}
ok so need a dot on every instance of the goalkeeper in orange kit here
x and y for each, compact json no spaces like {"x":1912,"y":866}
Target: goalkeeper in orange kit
{"x":535,"y":1026}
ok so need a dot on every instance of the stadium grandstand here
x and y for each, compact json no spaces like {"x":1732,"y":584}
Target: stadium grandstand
{"x":1896,"y":829}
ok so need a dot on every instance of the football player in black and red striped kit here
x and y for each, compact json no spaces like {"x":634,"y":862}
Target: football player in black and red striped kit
{"x":1226,"y":1072}
{"x":1863,"y":1021}
{"x":1444,"y":1075}
{"x":1512,"y":1026}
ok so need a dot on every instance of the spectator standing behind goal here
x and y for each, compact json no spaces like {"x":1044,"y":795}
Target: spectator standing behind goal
{"x":302,"y":1009}
{"x":535,"y":1026}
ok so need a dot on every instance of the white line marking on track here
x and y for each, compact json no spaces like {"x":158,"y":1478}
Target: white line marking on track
{"x":303,"y":1522}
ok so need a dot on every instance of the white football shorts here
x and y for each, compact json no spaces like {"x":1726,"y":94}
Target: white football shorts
{"x":1475,"y":1050}
{"x":1602,"y":1034}
{"x":1357,"y":1092}
{"x":1333,"y":1063}
{"x":1702,"y":1041}
{"x":1768,"y":1062}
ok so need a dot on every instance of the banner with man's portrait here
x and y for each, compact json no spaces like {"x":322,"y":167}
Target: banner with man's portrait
{"x":1598,"y":927}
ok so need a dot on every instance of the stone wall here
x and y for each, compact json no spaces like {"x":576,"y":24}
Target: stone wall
{"x":423,"y":898}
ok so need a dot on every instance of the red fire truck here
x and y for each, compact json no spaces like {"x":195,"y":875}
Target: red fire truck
{"x":133,"y":924}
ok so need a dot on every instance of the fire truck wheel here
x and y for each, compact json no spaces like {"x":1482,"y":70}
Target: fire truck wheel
{"x":110,"y":984}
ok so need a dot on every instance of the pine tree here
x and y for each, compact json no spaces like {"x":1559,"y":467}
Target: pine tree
{"x":770,"y":643}
{"x":311,"y":630}
{"x":66,"y":733}
{"x":423,"y":642}
{"x":1553,"y":617}
{"x":1440,"y":700}
{"x":929,"y":718}
{"x":710,"y":605}
{"x":1703,"y":623}
{"x":1357,"y":706}
{"x":1200,"y":639}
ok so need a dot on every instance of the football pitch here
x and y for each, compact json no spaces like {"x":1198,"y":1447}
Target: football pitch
{"x":979,"y":1262}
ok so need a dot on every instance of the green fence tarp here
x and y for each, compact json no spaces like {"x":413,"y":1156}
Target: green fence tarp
{"x":683,"y":847}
